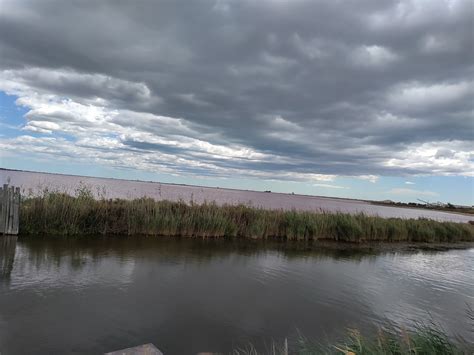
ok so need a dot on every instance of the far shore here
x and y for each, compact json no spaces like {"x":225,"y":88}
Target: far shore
{"x":36,"y":182}
{"x":464,"y":210}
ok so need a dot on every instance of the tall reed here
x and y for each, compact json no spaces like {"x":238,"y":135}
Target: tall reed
{"x":56,"y":213}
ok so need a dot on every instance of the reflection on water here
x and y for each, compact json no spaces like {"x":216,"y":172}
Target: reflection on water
{"x":7,"y":255}
{"x":185,"y":296}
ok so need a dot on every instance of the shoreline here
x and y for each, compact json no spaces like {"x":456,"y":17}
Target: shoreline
{"x":407,"y":206}
{"x":272,"y":244}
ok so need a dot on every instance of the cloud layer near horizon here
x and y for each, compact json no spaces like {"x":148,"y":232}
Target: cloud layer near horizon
{"x":288,"y":90}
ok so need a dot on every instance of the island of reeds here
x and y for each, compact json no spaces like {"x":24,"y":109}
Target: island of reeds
{"x":54,"y":213}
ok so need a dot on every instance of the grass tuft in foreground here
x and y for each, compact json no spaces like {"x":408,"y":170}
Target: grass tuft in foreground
{"x":424,"y":340}
{"x":55,"y":213}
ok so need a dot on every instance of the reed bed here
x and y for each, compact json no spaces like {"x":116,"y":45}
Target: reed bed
{"x":55,"y":213}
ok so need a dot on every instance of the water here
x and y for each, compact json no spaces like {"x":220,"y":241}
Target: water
{"x":60,"y":296}
{"x":115,"y":188}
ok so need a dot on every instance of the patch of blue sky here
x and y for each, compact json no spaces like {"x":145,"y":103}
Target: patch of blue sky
{"x":11,"y":116}
{"x":454,"y":189}
{"x":12,"y":120}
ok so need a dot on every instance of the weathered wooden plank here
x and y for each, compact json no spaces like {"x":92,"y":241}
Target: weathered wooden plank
{"x":10,"y":210}
{"x":2,"y":211}
{"x":16,"y":211}
{"x":6,"y":198}
{"x":146,"y":349}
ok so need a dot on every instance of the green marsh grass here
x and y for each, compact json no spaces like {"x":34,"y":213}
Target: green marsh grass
{"x":55,"y":213}
{"x":424,"y":340}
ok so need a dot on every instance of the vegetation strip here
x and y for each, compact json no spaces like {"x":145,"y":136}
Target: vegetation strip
{"x":424,"y":340}
{"x":56,"y":213}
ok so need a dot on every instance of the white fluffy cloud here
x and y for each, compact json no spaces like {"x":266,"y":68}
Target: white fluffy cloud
{"x":441,"y":158}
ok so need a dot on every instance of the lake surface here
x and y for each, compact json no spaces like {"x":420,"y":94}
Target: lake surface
{"x":35,"y":182}
{"x":61,"y":296}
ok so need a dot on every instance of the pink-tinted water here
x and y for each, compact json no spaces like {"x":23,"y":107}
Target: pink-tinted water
{"x":35,"y":182}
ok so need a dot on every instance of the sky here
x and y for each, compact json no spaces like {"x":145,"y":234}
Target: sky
{"x":364,"y":99}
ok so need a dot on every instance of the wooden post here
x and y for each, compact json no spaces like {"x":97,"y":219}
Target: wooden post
{"x":16,"y":208}
{"x":9,"y":210}
{"x":2,"y":209}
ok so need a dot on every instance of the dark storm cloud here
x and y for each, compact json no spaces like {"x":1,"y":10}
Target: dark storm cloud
{"x":326,"y":87}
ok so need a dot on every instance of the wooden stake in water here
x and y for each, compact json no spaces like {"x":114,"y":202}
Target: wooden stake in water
{"x":9,"y":210}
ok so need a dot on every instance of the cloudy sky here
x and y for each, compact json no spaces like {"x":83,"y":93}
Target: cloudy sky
{"x":366,"y":99}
